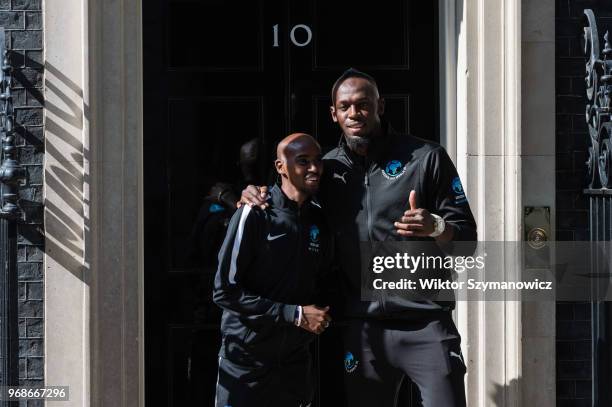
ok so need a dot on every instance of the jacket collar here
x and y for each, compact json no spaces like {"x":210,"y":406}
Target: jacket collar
{"x":279,"y":200}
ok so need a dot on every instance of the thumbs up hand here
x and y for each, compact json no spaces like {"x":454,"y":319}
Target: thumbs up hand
{"x":415,"y":222}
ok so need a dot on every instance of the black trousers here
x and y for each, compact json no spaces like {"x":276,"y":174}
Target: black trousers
{"x":287,"y":383}
{"x":380,"y":354}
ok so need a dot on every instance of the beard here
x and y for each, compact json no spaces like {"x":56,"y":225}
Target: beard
{"x":357,"y":142}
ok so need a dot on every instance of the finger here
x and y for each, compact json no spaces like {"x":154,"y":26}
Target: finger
{"x":412,"y":219}
{"x":409,"y":226}
{"x":412,"y":200}
{"x":411,"y":233}
{"x":263,"y":192}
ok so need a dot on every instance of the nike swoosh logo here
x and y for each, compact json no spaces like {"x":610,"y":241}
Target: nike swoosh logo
{"x":270,"y":237}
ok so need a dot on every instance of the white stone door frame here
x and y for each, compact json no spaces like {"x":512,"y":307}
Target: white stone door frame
{"x":94,"y":291}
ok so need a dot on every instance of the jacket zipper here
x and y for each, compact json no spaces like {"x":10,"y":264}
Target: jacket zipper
{"x":366,"y":183}
{"x":299,"y":256}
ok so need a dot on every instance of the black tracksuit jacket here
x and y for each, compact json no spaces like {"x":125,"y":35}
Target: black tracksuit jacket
{"x":271,"y":261}
{"x":363,"y":197}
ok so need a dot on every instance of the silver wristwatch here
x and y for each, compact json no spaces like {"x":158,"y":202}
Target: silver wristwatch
{"x":439,"y":225}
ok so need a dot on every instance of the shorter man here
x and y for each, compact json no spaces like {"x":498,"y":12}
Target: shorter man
{"x":269,"y":267}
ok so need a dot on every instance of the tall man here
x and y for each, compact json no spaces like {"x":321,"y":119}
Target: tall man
{"x":267,"y":283}
{"x":373,"y":178}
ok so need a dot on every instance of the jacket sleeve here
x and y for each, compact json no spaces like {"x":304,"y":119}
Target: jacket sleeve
{"x":447,"y":197}
{"x":235,"y":258}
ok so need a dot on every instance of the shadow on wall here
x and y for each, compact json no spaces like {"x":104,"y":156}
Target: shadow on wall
{"x":65,"y":176}
{"x":498,"y":395}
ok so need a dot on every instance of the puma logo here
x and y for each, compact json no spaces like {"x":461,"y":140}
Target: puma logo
{"x":340,"y":176}
{"x":456,"y":355}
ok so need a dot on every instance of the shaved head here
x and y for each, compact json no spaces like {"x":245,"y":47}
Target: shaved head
{"x":294,"y":143}
{"x":298,"y":162}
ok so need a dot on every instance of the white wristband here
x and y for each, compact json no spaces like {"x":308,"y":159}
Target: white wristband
{"x":298,"y":320}
{"x":439,"y":225}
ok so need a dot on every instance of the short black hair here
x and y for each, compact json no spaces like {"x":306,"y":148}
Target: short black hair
{"x":350,"y":73}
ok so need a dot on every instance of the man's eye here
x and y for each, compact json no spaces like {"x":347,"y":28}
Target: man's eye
{"x":343,"y":108}
{"x":302,"y":162}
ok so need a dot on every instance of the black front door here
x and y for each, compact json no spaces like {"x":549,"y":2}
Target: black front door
{"x":218,"y":74}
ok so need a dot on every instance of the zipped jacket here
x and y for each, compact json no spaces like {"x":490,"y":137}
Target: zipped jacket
{"x":270,"y":262}
{"x":364,"y":196}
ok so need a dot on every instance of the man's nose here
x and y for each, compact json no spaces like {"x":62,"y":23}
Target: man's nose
{"x":352,"y":111}
{"x":314,"y":167}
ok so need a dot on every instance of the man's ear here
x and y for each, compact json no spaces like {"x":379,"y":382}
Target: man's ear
{"x":332,"y":110}
{"x":381,"y":106}
{"x":280,"y":167}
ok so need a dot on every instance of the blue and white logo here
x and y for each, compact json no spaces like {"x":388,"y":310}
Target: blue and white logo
{"x":394,"y":169}
{"x":456,"y":185}
{"x":314,"y":233}
{"x":350,"y":363}
{"x":458,"y":190}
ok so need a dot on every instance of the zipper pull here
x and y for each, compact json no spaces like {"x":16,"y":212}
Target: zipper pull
{"x":366,"y":180}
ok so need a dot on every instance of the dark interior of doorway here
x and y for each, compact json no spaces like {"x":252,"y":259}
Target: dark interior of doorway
{"x":214,"y":79}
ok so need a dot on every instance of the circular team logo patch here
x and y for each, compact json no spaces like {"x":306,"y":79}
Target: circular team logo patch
{"x":394,"y":169}
{"x":457,"y":187}
{"x":350,"y":363}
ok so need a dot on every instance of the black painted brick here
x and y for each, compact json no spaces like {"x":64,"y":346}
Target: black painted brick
{"x":22,"y":327}
{"x":28,"y":78}
{"x":35,"y":176}
{"x":34,"y":328}
{"x":33,"y":20}
{"x":30,"y":135}
{"x":573,"y":370}
{"x":26,"y":39}
{"x":566,"y":388}
{"x":31,"y":309}
{"x":31,"y":115}
{"x":31,"y":155}
{"x":21,"y":290}
{"x":582,"y":350}
{"x":25,"y":4}
{"x":35,"y":367}
{"x":34,"y":291}
{"x":34,"y":253}
{"x":34,"y":97}
{"x":583,"y":388}
{"x":12,"y":20}
{"x":34,"y":59}
{"x":29,"y":271}
{"x":31,"y":347}
{"x":22,"y":368}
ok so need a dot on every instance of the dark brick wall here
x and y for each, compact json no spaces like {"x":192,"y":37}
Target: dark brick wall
{"x":573,"y":319}
{"x":23,"y":20}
